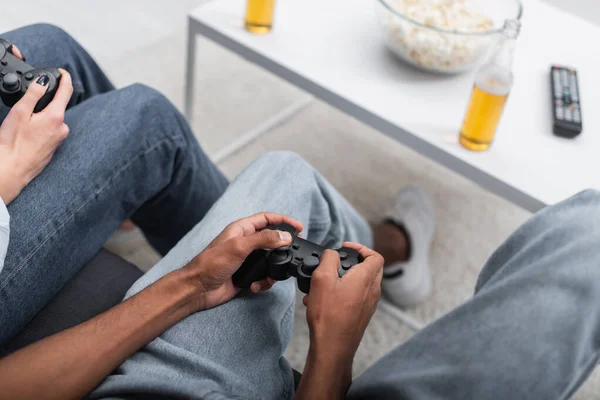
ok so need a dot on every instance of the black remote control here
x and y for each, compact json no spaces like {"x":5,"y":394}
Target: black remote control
{"x":566,"y":104}
{"x":299,"y":259}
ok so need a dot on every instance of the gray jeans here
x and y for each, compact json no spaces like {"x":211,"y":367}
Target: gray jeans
{"x":530,"y":331}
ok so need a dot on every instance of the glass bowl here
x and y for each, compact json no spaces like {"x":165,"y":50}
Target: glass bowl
{"x":444,"y":36}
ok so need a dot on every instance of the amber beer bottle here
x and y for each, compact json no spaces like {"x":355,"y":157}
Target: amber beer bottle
{"x":492,"y":85}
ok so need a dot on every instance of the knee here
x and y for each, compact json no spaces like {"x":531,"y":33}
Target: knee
{"x":571,"y":224}
{"x":44,"y":29}
{"x":52,"y":35}
{"x":142,"y":102}
{"x":146,"y":112}
{"x":145,"y":96}
{"x":283,"y":165}
{"x":589,"y":196}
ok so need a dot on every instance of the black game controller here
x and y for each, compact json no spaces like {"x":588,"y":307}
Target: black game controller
{"x":16,"y":76}
{"x":299,"y":259}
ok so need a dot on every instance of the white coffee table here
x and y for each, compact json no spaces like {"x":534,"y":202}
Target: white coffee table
{"x":333,"y":50}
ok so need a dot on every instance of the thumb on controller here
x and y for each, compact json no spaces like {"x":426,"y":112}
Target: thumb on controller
{"x":265,"y":239}
{"x":34,"y":93}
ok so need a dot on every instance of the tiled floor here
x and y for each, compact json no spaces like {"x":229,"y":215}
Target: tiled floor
{"x":144,"y":41}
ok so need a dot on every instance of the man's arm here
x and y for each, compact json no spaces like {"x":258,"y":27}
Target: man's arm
{"x":338,"y":312}
{"x":70,"y":364}
{"x":327,"y":374}
{"x":4,"y":232}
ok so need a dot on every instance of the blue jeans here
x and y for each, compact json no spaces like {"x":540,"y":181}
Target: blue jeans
{"x":532,"y":330}
{"x":130,"y":154}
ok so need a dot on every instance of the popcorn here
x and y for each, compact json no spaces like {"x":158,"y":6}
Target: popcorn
{"x":432,"y":49}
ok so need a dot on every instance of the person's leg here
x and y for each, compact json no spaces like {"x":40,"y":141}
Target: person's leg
{"x":532,"y":330}
{"x":235,"y":350}
{"x":129,"y":153}
{"x":45,"y":45}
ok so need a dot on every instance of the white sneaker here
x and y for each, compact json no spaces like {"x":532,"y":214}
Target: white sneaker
{"x":409,"y":282}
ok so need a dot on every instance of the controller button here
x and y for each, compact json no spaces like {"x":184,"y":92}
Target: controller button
{"x":3,"y":63}
{"x":29,"y":76}
{"x":278,"y":256}
{"x":310,"y":264}
{"x":343,"y":255}
{"x":10,"y":82}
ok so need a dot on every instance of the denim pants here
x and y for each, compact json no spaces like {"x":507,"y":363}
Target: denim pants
{"x":532,"y":330}
{"x":129,"y":154}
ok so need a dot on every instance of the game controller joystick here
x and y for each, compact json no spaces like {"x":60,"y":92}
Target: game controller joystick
{"x":299,"y":260}
{"x":16,"y":76}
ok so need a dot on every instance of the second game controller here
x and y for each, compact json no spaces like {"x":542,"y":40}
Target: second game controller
{"x":16,"y":76}
{"x":299,"y":260}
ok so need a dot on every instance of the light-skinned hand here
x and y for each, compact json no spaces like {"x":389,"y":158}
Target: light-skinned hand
{"x":27,"y":140}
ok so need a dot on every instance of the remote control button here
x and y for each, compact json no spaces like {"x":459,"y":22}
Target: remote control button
{"x":343,"y":255}
{"x":560,"y":113}
{"x":565,"y":77}
{"x":29,"y":76}
{"x":574,"y":88}
{"x":568,"y":115}
{"x":10,"y":82}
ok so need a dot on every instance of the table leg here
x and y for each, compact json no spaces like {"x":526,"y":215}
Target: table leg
{"x":190,"y":70}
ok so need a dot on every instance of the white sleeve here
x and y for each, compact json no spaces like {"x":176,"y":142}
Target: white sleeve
{"x":4,"y":232}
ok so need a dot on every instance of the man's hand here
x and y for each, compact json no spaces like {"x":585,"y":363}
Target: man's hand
{"x":28,"y":141}
{"x":338,"y":312}
{"x":209,"y":273}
